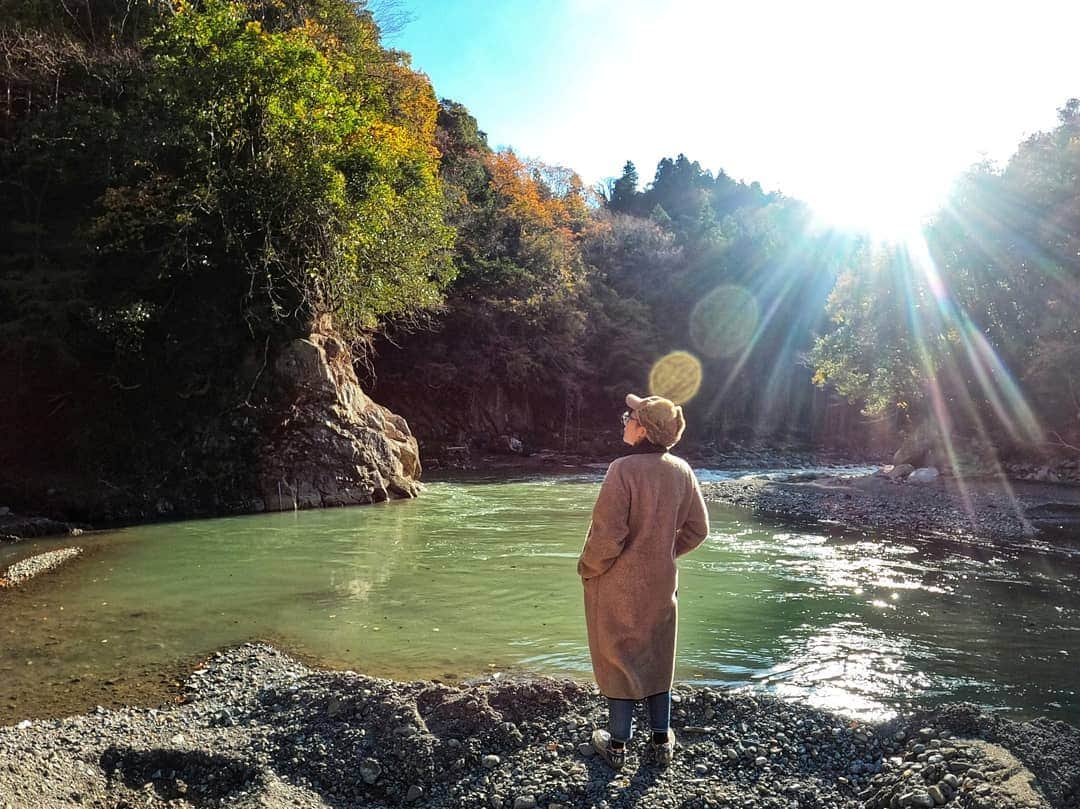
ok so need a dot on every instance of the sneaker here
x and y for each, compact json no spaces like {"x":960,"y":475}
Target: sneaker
{"x":601,"y":742}
{"x":662,"y":754}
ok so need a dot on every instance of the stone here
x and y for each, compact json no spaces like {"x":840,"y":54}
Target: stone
{"x":415,"y":793}
{"x":935,"y":792}
{"x":926,"y":474}
{"x":525,"y":802}
{"x":490,"y":761}
{"x":585,"y":749}
{"x":370,"y":770}
{"x":508,"y":445}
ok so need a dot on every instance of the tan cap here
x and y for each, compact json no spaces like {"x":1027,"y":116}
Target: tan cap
{"x":662,"y":418}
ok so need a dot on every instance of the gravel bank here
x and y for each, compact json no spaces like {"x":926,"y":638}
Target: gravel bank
{"x":984,"y":508}
{"x":259,"y":729}
{"x":26,"y":569}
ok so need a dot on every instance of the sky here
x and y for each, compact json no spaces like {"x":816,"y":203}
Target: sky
{"x":866,"y":110}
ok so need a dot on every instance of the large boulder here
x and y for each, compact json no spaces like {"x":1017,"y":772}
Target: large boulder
{"x":327,"y":443}
{"x":926,"y":474}
{"x":899,"y":471}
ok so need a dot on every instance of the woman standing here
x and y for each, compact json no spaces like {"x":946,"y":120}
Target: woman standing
{"x":649,"y":512}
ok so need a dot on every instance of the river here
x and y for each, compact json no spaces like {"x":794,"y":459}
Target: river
{"x":477,"y":577}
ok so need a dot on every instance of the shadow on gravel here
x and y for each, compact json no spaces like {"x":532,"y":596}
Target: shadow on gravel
{"x":355,"y":739}
{"x":1049,"y":748}
{"x":200,"y":779}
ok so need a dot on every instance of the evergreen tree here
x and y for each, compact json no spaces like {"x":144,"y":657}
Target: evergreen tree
{"x":624,"y":191}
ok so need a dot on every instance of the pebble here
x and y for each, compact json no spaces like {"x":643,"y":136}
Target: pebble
{"x":798,"y":756}
{"x":26,"y":569}
{"x":370,"y":770}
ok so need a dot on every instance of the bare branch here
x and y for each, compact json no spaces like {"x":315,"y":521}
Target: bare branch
{"x":390,"y":15}
{"x":1061,"y":442}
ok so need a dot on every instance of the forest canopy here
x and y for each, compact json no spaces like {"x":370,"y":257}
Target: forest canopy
{"x":188,"y":184}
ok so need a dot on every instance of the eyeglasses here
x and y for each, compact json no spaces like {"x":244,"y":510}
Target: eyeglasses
{"x":627,"y":417}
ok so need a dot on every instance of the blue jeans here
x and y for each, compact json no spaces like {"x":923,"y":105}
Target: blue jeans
{"x":621,"y":715}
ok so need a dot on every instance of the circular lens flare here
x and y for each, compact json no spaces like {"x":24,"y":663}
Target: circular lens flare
{"x":723,"y":322}
{"x":676,"y":376}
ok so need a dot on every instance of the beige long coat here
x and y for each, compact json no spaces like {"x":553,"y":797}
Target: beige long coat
{"x":649,"y":512}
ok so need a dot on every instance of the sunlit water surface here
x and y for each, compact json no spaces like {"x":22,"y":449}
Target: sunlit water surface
{"x":477,"y":576}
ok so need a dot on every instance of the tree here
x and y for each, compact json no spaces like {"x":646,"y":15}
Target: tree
{"x":624,"y":191}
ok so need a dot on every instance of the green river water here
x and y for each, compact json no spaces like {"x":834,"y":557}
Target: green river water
{"x":477,"y":577}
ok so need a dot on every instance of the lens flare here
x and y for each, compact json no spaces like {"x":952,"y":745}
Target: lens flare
{"x":676,"y":376}
{"x":723,"y":321}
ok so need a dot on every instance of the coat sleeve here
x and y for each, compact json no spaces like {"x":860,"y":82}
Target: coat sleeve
{"x":609,"y":527}
{"x":693,"y":532}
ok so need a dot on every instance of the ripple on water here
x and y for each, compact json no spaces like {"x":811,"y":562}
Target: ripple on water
{"x":476,"y":577}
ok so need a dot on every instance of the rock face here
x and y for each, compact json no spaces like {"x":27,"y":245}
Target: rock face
{"x":327,"y":443}
{"x":899,"y":471}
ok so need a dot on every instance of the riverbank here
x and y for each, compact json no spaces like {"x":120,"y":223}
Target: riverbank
{"x":988,"y":507}
{"x":17,"y":527}
{"x":1045,"y":501}
{"x":256,"y":728}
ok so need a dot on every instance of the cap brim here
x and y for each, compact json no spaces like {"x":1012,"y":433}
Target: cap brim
{"x":634,"y":402}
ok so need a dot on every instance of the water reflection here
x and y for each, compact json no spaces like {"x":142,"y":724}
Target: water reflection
{"x":846,"y":667}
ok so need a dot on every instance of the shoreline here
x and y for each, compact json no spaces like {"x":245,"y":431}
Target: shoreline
{"x":19,"y":526}
{"x":990,"y":508}
{"x":995,"y":508}
{"x":257,"y":727}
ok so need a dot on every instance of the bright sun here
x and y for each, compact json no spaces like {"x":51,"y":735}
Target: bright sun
{"x":889,"y":201}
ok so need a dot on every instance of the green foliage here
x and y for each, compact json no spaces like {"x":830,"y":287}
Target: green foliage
{"x":984,"y":322}
{"x":869,"y":307}
{"x":184,"y":203}
{"x":624,"y":197}
{"x":265,"y":163}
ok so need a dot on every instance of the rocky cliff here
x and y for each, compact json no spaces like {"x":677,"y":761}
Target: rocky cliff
{"x":267,"y":429}
{"x":326,"y":442}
